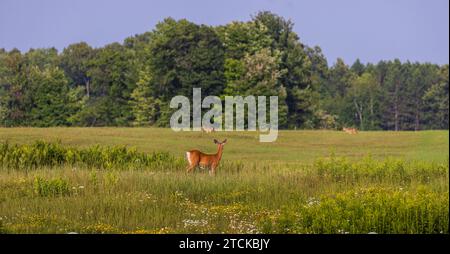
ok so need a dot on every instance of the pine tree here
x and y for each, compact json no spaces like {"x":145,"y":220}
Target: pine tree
{"x":144,"y":106}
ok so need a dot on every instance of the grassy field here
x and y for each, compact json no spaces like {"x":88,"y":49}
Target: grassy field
{"x":306,"y":182}
{"x":291,"y":146}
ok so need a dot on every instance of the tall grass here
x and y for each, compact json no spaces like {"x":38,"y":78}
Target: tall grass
{"x":50,"y":188}
{"x":392,"y":170}
{"x":43,"y":154}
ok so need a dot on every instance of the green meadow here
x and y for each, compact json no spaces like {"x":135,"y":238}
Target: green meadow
{"x":133,"y":180}
{"x":291,"y":146}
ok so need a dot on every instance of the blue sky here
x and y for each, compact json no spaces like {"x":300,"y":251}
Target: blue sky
{"x":372,"y":30}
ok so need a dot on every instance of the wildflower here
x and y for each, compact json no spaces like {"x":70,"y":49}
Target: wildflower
{"x":312,"y":201}
{"x":195,"y":223}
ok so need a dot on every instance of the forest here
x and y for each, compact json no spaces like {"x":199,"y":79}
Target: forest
{"x":131,"y":83}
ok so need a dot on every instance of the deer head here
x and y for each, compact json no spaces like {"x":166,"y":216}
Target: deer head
{"x":220,"y":143}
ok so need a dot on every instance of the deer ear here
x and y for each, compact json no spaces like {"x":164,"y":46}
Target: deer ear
{"x":215,"y":141}
{"x":225,"y":141}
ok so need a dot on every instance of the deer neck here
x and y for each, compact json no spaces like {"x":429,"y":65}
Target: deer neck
{"x":219,"y":153}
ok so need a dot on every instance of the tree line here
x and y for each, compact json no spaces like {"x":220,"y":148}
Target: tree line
{"x":132,"y":83}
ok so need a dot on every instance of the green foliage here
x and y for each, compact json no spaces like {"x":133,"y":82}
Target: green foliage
{"x":436,"y":100}
{"x":51,"y":188}
{"x":50,"y":95}
{"x":368,"y":210}
{"x":234,"y":73}
{"x":112,"y":81}
{"x":41,"y":154}
{"x":390,"y":170}
{"x":132,"y":83}
{"x":144,"y":106}
{"x":75,"y":60}
{"x":15,"y":92}
{"x":363,"y":96}
{"x":185,"y":55}
{"x":242,"y":38}
{"x":77,"y":102}
{"x":358,"y":68}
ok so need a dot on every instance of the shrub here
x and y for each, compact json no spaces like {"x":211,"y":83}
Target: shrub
{"x":365,"y":210}
{"x":394,"y":170}
{"x":51,"y":188}
{"x":43,"y":154}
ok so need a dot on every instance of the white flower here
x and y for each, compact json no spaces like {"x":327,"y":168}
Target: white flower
{"x":312,"y":201}
{"x":195,"y":223}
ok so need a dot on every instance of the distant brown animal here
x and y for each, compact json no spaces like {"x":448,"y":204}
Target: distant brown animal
{"x":208,"y":130}
{"x":210,"y":161}
{"x":350,"y":130}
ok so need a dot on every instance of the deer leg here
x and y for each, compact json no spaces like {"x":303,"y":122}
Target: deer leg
{"x":212,"y":171}
{"x":190,"y":168}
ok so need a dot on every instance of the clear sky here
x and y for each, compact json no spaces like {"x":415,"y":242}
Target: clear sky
{"x":372,"y":30}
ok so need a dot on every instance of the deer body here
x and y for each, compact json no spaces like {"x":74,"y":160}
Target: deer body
{"x":200,"y":159}
{"x":208,"y":130}
{"x":350,"y":130}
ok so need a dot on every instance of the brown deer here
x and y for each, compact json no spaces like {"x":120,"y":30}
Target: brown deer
{"x":350,"y":130}
{"x":203,"y":160}
{"x":208,"y":130}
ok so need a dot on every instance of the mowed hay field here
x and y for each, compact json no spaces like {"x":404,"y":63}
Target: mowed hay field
{"x":133,"y":180}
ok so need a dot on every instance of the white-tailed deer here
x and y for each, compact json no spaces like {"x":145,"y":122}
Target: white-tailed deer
{"x":208,"y":130}
{"x":210,"y":161}
{"x":350,"y":130}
